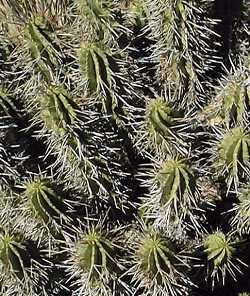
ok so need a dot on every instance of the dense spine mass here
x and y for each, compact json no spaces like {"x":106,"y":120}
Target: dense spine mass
{"x":124,"y":148}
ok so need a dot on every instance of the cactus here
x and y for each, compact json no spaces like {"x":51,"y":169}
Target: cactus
{"x":233,"y":158}
{"x":41,"y":46}
{"x":124,"y":147}
{"x":164,"y":128}
{"x":57,"y":110}
{"x":232,"y":101}
{"x":95,"y":67}
{"x":94,"y":257}
{"x":241,"y":219}
{"x":10,"y":255}
{"x":221,"y":253}
{"x":45,"y":209}
{"x":103,"y":72}
{"x":16,"y":266}
{"x":174,"y":25}
{"x":98,"y":13}
{"x":157,"y":266}
{"x":174,"y":192}
{"x":137,"y":14}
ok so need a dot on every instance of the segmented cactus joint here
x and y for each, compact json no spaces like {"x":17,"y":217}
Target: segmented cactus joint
{"x":42,"y":47}
{"x":244,"y":198}
{"x":156,"y":257}
{"x":218,"y":249}
{"x":97,"y":11}
{"x":11,"y":252}
{"x":175,"y":179}
{"x":95,"y":255}
{"x":160,"y":119}
{"x":241,"y":219}
{"x":234,"y":151}
{"x":95,"y":67}
{"x":43,"y":200}
{"x":58,"y":109}
{"x":235,"y":101}
{"x":173,"y":25}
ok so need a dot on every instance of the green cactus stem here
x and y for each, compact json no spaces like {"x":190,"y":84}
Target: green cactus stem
{"x":235,"y":102}
{"x":137,"y":13}
{"x":221,"y":253}
{"x":43,"y":48}
{"x":98,"y":13}
{"x":174,"y":25}
{"x":233,"y":156}
{"x":231,"y":105}
{"x":176,"y":179}
{"x":95,"y":254}
{"x":95,"y":66}
{"x":157,"y":257}
{"x":43,"y":201}
{"x":241,"y":213}
{"x":218,"y":249}
{"x":57,"y":110}
{"x":158,"y":265}
{"x":166,"y":126}
{"x":94,"y":260}
{"x":100,"y":70}
{"x":11,"y":255}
